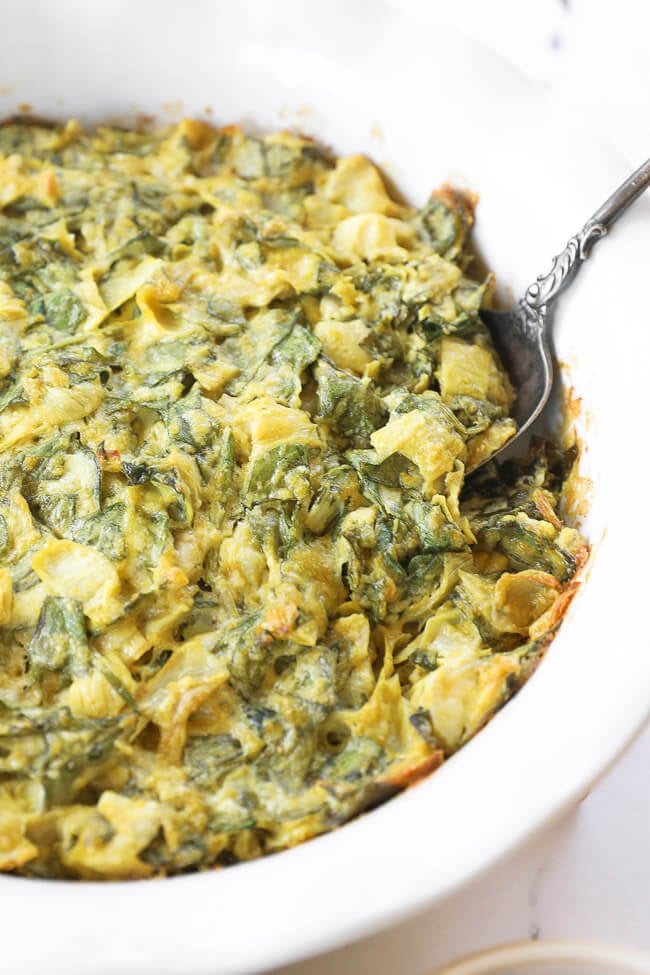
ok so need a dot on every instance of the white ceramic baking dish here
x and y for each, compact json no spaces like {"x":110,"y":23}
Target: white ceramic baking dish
{"x":429,"y":106}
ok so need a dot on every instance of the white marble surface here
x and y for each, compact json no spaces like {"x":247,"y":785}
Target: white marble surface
{"x":589,"y":876}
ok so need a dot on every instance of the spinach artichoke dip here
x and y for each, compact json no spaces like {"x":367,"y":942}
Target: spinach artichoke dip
{"x":247,"y":587}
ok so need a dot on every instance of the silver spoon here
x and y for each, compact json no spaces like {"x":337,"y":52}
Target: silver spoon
{"x":521,"y":334}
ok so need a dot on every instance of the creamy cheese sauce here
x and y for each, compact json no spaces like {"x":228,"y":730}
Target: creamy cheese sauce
{"x":247,"y":588}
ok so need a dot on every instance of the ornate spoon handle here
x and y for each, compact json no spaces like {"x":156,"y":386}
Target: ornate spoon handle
{"x":548,"y":286}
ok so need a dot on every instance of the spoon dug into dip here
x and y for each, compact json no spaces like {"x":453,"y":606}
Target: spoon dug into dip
{"x":521,"y":334}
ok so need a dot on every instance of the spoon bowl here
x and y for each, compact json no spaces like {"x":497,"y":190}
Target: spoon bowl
{"x":526,"y":356}
{"x":520,"y":334}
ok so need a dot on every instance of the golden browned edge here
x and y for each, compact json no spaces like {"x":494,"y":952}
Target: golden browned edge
{"x":27,"y":118}
{"x":458,"y":198}
{"x":407,"y":775}
{"x":578,"y":490}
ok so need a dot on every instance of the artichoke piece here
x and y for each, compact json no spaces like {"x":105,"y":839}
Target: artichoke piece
{"x":348,"y":405}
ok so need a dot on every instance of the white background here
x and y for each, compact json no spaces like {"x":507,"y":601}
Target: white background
{"x":589,"y":876}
